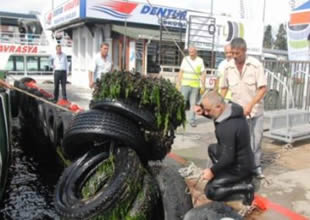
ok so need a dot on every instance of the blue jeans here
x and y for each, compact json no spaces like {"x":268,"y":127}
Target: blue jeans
{"x":256,"y":125}
{"x":190,"y":94}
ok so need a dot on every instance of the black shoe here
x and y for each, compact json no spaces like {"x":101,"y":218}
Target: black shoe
{"x":259,"y":173}
{"x":249,"y":195}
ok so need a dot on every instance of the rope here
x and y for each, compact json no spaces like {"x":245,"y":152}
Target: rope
{"x":40,"y":98}
{"x":192,"y":172}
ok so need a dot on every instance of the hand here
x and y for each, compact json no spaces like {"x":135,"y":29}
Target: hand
{"x":247,"y":109}
{"x":198,"y":110}
{"x":202,"y":90}
{"x":91,"y":85}
{"x":207,"y":174}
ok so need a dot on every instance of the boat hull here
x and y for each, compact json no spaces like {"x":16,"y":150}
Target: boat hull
{"x":5,"y":149}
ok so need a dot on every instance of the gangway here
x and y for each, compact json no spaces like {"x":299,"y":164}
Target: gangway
{"x":287,"y":123}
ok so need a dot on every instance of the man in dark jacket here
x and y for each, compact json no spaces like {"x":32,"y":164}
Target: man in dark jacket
{"x":232,"y":157}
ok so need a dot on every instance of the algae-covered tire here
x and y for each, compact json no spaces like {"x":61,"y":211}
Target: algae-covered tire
{"x":175,"y":201}
{"x":115,"y":188}
{"x":14,"y":103}
{"x":212,"y":211}
{"x":93,"y":126}
{"x":128,"y":109}
{"x":146,"y":201}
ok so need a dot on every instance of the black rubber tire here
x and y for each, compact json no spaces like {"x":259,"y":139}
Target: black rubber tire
{"x":14,"y":103}
{"x":175,"y":201}
{"x":95,"y":125}
{"x":68,"y":199}
{"x":51,"y":118}
{"x":271,"y":100}
{"x":62,"y":125}
{"x":45,"y":108}
{"x":212,"y":211}
{"x":127,"y":109}
{"x":147,"y":200}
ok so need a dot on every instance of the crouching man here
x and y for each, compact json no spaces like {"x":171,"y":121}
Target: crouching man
{"x":232,"y":157}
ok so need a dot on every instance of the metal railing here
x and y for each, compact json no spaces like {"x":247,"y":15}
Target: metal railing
{"x":30,"y":39}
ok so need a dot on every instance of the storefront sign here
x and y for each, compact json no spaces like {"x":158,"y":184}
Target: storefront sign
{"x":136,"y":12}
{"x":63,"y":13}
{"x":207,"y":33}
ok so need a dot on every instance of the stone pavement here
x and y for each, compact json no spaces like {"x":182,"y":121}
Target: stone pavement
{"x":287,"y":171}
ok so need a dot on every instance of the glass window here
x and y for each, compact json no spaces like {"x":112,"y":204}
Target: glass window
{"x":44,"y":63}
{"x":15,"y":63}
{"x":32,"y":63}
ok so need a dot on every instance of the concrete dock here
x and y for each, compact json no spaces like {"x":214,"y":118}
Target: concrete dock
{"x":287,"y":171}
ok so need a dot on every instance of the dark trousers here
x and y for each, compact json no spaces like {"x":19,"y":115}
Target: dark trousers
{"x":60,"y":76}
{"x":227,"y":183}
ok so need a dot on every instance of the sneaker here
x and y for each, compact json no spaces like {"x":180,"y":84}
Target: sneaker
{"x":193,"y":124}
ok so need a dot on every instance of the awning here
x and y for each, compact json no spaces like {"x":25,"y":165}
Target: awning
{"x":301,"y":14}
{"x":144,"y":33}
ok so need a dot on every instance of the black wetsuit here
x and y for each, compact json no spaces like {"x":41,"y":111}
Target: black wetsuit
{"x":232,"y":157}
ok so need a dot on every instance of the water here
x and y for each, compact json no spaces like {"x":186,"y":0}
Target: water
{"x":33,"y":175}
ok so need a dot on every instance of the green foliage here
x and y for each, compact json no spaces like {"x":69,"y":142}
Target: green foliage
{"x":95,"y":182}
{"x":268,"y":39}
{"x":155,"y":94}
{"x":281,"y":39}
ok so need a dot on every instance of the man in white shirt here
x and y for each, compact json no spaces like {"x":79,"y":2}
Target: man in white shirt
{"x":192,"y":71}
{"x":102,"y":64}
{"x":60,"y":66}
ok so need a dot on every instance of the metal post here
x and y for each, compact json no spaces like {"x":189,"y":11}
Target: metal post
{"x":124,"y":44}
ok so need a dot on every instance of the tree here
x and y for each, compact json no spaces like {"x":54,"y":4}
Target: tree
{"x":281,"y":40}
{"x":268,"y":39}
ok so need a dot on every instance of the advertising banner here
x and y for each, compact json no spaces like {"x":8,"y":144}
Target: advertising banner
{"x":62,"y":13}
{"x":135,"y":12}
{"x":207,"y":33}
{"x":298,"y":43}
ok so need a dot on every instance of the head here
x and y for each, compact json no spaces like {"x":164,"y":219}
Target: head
{"x":58,"y":49}
{"x":238,"y":49}
{"x":192,"y":52}
{"x":228,"y":52}
{"x":213,"y":104}
{"x":104,"y":49}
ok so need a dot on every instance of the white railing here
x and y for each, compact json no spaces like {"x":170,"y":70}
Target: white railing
{"x":30,"y":39}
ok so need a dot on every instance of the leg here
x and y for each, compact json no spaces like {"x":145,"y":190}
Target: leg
{"x":194,"y":95}
{"x":256,"y":130}
{"x":63,"y":84}
{"x":185,"y":90}
{"x":56,"y":84}
{"x":226,"y":184}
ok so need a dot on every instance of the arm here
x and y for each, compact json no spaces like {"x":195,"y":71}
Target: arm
{"x":261,"y":83}
{"x":259,"y":95}
{"x":224,"y":92}
{"x":4,"y":84}
{"x":179,"y":80}
{"x":203,"y":80}
{"x":90,"y":79}
{"x":226,"y":136}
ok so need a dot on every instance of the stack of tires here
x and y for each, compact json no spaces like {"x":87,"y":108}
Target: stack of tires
{"x":37,"y":114}
{"x":111,"y":177}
